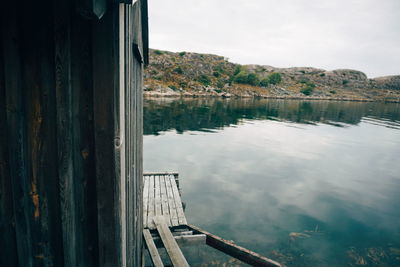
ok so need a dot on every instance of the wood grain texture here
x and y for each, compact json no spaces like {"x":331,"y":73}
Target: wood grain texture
{"x":69,"y":196}
{"x":154,"y":255}
{"x":235,"y":251}
{"x":8,"y":242}
{"x":173,"y":250}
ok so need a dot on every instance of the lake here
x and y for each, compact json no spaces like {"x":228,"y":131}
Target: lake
{"x":306,"y":183}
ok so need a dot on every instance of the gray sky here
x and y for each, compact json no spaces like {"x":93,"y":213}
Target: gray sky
{"x":328,"y":34}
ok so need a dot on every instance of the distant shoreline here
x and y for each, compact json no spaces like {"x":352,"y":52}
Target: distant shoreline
{"x":157,"y":95}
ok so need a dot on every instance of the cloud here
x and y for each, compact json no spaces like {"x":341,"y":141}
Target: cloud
{"x":358,"y":34}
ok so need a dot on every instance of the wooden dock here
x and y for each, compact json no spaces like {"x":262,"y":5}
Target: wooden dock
{"x":165,"y":225}
{"x":161,"y":197}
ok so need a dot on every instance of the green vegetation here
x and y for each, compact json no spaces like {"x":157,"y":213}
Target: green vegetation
{"x":332,"y":92}
{"x":322,"y":74}
{"x":220,"y":68}
{"x":275,"y":78}
{"x":216,"y":74}
{"x":183,"y":84}
{"x":241,"y":77}
{"x":178,"y":70}
{"x":264,"y":82}
{"x":304,"y":81}
{"x":220,"y":84}
{"x":182,"y":54}
{"x":158,"y":52}
{"x":237,"y":70}
{"x":253,"y":79}
{"x":173,"y":87}
{"x":345,"y":82}
{"x":309,"y":89}
{"x":204,"y":80}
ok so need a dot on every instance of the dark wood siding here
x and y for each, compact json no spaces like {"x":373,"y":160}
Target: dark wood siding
{"x":71,"y":134}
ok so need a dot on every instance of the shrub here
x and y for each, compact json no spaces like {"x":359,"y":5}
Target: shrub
{"x":158,"y":52}
{"x":204,"y":79}
{"x":183,"y":84}
{"x":264,"y":82}
{"x":345,"y":82}
{"x":322,"y":74}
{"x":275,"y":78}
{"x":173,"y":87}
{"x":219,"y":68}
{"x":303,"y":81}
{"x":309,"y":89}
{"x":237,"y":70}
{"x":332,"y":92}
{"x":220,"y":84}
{"x":182,"y":54}
{"x":241,"y":77}
{"x":216,"y":74}
{"x":178,"y":70}
{"x":253,"y":79}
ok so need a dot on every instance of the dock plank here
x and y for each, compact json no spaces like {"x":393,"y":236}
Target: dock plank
{"x":178,"y":202}
{"x":171,"y":203}
{"x":157,"y":196}
{"x":173,"y":250}
{"x":164,"y":200}
{"x":154,"y":255}
{"x":151,"y":210}
{"x":145,"y":200}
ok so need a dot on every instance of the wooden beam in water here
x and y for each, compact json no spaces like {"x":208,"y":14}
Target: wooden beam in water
{"x":235,"y":251}
{"x":170,"y":244}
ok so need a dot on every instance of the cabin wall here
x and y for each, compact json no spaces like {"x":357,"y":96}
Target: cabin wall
{"x":71,"y":135}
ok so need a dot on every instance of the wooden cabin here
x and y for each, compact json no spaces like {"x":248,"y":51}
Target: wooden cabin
{"x":71,"y":132}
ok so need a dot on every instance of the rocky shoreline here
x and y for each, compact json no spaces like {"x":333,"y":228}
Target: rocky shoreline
{"x":201,"y":75}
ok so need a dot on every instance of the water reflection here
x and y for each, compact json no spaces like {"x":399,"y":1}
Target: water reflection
{"x":283,"y":179}
{"x":208,"y":114}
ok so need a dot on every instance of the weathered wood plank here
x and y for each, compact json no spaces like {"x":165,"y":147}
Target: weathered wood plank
{"x":171,"y":203}
{"x":154,"y":255}
{"x":105,"y":87}
{"x":170,"y":244}
{"x":63,"y":89}
{"x":164,"y":200}
{"x":151,"y":209}
{"x":8,"y":243}
{"x":145,"y":199}
{"x":235,"y":251}
{"x":178,"y":202}
{"x":83,"y":142}
{"x":157,"y":196}
{"x":38,"y":84}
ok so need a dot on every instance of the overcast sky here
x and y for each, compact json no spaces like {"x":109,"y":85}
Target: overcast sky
{"x":328,"y":34}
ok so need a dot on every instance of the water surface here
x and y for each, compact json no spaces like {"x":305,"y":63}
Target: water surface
{"x":305,"y":183}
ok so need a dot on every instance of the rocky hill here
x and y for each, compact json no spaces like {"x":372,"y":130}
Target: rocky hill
{"x":192,"y":74}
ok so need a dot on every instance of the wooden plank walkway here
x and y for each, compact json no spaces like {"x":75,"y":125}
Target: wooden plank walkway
{"x":162,"y":198}
{"x":165,"y":225}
